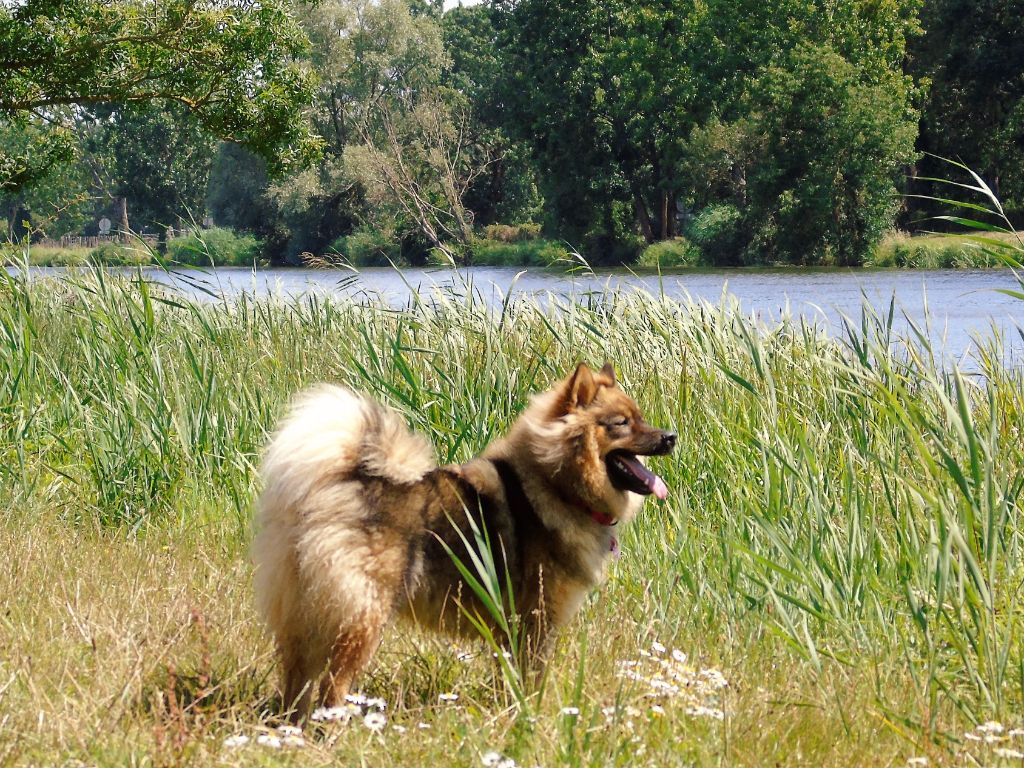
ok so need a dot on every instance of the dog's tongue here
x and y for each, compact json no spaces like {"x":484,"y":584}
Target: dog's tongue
{"x":651,"y":481}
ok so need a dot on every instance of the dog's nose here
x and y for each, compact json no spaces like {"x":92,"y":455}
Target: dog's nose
{"x":668,"y":441}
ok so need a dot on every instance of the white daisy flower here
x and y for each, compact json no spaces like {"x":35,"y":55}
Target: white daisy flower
{"x":332,"y":714}
{"x":991,"y":726}
{"x":657,"y":709}
{"x":570,"y":711}
{"x":239,"y":740}
{"x":917,"y":761}
{"x":266,"y":740}
{"x":678,"y":656}
{"x":293,"y":741}
{"x":289,"y":730}
{"x":657,"y":647}
{"x":376,"y":704}
{"x":448,"y":697}
{"x":490,"y":759}
{"x":355,"y":698}
{"x":375,"y":721}
{"x":1009,"y":754}
{"x":506,"y":762}
{"x":424,"y":726}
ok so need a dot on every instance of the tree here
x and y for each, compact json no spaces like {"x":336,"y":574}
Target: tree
{"x":972,"y":53}
{"x":823,"y":189}
{"x":232,"y":64}
{"x":621,"y":101}
{"x":506,"y":189}
{"x":151,"y":161}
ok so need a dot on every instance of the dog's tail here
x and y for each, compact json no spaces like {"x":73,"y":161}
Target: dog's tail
{"x":331,"y":436}
{"x":333,"y":431}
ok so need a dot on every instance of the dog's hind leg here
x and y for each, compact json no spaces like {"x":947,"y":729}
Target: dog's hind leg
{"x":352,"y":651}
{"x":300,"y":674}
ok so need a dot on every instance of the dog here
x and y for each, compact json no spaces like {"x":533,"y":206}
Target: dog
{"x":356,"y":523}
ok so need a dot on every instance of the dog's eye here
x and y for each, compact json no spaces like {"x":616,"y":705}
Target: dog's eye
{"x":621,"y":421}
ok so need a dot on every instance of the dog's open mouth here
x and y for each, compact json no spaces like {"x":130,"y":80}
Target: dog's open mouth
{"x":627,"y":473}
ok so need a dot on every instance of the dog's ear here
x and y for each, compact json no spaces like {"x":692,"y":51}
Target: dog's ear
{"x":578,"y":391}
{"x":609,"y":373}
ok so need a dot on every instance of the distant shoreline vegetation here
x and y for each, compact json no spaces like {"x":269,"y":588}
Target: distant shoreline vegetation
{"x":496,"y":246}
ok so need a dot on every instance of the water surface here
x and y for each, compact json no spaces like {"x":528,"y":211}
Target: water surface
{"x":960,"y":305}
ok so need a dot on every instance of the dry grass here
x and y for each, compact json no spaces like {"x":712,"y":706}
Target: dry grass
{"x":131,"y":651}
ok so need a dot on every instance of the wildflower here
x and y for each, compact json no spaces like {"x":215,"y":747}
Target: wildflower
{"x":570,"y":711}
{"x":293,"y":741}
{"x":917,"y":761}
{"x":448,"y":697}
{"x":376,"y":704}
{"x":332,"y":714}
{"x":423,"y":726}
{"x":490,"y":759}
{"x":1015,"y":732}
{"x":1010,"y":754}
{"x":375,"y":721}
{"x":239,"y":740}
{"x":399,"y":728}
{"x":657,"y":710}
{"x":972,"y":736}
{"x":715,"y":678}
{"x":266,"y":740}
{"x":506,"y":762}
{"x":702,"y":711}
{"x":991,"y":727}
{"x":355,"y":698}
{"x":678,"y":656}
{"x":657,"y":647}
{"x":289,"y":730}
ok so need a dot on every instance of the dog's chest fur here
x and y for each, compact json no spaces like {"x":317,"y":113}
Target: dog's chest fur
{"x":551,"y":569}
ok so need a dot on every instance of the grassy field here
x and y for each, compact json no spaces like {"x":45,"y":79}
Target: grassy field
{"x":839,"y":561}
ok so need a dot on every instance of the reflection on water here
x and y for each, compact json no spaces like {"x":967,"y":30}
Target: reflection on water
{"x":960,"y":304}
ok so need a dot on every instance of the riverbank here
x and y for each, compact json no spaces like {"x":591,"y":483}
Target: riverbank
{"x":836,"y":566}
{"x":220,"y":247}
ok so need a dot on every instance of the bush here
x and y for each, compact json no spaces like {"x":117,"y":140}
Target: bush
{"x":898,"y":249}
{"x":511,"y":233}
{"x":369,"y":247}
{"x":220,"y":247}
{"x":677,"y":252}
{"x":530,"y":253}
{"x":718,"y":232}
{"x":114,"y":255}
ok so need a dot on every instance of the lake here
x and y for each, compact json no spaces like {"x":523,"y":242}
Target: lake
{"x":961,"y":304}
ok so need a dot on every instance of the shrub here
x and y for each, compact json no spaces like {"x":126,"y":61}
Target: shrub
{"x":511,"y":233}
{"x":114,"y":255}
{"x":899,"y":249}
{"x":216,"y":246}
{"x":531,"y":253}
{"x":718,"y":232}
{"x":369,"y":247}
{"x":677,"y":252}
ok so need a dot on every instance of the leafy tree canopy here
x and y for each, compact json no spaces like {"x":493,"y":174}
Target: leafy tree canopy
{"x":231,"y":63}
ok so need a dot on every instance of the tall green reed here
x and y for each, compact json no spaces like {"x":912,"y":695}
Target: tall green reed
{"x":850,"y":500}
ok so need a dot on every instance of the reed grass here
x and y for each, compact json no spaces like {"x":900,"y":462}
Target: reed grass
{"x":842,"y":542}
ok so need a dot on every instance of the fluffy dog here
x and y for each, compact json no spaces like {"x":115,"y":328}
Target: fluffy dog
{"x":356,"y":521}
